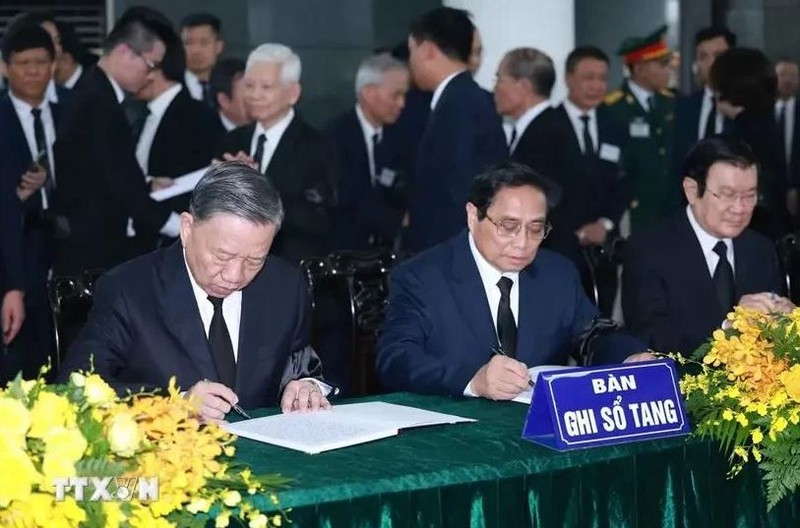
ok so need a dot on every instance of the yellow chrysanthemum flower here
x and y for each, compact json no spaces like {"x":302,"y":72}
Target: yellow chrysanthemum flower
{"x":15,"y":422}
{"x":50,"y":411}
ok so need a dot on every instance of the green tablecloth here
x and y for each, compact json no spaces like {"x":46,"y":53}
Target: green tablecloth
{"x":484,"y":475}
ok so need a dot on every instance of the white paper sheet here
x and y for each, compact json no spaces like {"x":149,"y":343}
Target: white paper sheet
{"x":180,"y":185}
{"x":526,"y":396}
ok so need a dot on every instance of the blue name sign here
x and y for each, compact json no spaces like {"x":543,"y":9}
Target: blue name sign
{"x":585,"y":407}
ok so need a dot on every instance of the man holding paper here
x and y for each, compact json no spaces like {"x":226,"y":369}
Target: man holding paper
{"x":469,"y":316}
{"x":229,"y":321}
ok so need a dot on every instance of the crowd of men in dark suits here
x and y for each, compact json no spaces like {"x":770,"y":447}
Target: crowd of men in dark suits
{"x":82,"y":147}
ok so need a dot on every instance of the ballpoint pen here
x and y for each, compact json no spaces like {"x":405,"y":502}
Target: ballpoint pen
{"x":235,"y":406}
{"x":498,"y":351}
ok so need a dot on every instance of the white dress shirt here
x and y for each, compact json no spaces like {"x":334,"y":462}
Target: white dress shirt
{"x":574,"y":113}
{"x":437,"y":94}
{"x":50,"y":92}
{"x":642,"y":95}
{"x":158,"y":108}
{"x":788,"y":132}
{"x":227,"y":123}
{"x":705,"y":109}
{"x":274,"y":134}
{"x":73,"y":79}
{"x":193,"y":85}
{"x":231,"y":310}
{"x":707,"y":243}
{"x":25,"y":117}
{"x":369,"y":131}
{"x":521,"y":124}
{"x":489,"y":278}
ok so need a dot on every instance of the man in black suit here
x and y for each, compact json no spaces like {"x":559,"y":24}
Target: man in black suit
{"x":683,"y":275}
{"x":201,"y":34}
{"x":787,"y":114}
{"x":299,"y":159}
{"x":696,"y":115}
{"x":69,"y":68}
{"x":463,"y":134}
{"x":28,"y":175}
{"x":163,"y":148}
{"x":215,"y":307}
{"x":100,"y":183}
{"x":370,"y":208}
{"x":227,"y":92}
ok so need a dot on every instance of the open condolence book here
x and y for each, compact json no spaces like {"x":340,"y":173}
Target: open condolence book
{"x":342,"y":426}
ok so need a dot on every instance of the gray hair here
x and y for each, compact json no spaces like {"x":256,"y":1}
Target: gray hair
{"x":533,"y":65}
{"x":277,"y":54}
{"x":373,"y":68}
{"x":235,"y":188}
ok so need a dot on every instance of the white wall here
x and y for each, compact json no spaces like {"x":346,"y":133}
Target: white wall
{"x":548,"y":25}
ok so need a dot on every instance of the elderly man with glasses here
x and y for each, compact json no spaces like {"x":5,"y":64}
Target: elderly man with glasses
{"x":682,"y":276}
{"x":471,"y":315}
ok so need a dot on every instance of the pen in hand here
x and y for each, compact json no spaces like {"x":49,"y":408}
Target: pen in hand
{"x":234,"y":406}
{"x":498,"y":351}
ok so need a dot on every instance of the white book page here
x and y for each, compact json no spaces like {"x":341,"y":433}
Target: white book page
{"x":397,"y":416}
{"x":527,"y":395}
{"x":180,"y":185}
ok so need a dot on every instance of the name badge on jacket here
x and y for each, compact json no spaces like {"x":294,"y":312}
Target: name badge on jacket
{"x":639,"y":128}
{"x":609,"y":152}
{"x":386,"y":177}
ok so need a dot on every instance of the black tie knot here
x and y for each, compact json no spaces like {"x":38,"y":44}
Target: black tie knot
{"x":37,"y":112}
{"x":216,"y":302}
{"x":505,"y":284}
{"x":721,"y":249}
{"x":585,"y":118}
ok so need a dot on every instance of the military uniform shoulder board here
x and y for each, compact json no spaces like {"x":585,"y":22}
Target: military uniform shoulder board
{"x":667,"y":92}
{"x":613,"y":97}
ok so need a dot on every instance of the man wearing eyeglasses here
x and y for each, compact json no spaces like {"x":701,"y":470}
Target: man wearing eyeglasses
{"x":100,"y":183}
{"x":471,"y":315}
{"x":682,"y":276}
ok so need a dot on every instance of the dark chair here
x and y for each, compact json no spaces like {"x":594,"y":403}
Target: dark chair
{"x":603,"y":262}
{"x":70,"y":301}
{"x":789,"y":253}
{"x":349,"y":291}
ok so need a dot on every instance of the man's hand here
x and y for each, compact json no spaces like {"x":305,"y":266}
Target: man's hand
{"x":303,"y":396}
{"x":12,"y":314}
{"x":502,"y":378}
{"x":641,"y":356}
{"x":242,"y":157}
{"x":213,"y":400}
{"x":766,"y":302}
{"x":160,"y":182}
{"x":594,"y":233}
{"x":31,"y":182}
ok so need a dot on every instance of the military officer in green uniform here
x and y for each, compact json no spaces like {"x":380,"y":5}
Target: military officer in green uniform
{"x":644,"y":106}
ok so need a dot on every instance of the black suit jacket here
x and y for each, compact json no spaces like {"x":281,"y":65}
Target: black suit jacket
{"x":100,"y":184}
{"x":668,"y":297}
{"x":304,"y":169}
{"x":365,"y":211}
{"x":462,"y":138}
{"x":145,"y":327}
{"x":591,"y":187}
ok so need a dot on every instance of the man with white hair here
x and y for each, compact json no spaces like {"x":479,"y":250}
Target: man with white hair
{"x":371,"y":207}
{"x":300,"y":161}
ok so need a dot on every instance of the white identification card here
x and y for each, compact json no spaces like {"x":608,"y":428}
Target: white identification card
{"x":386,"y":177}
{"x":609,"y":152}
{"x":639,"y":129}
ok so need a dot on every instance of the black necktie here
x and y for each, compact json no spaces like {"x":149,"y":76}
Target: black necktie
{"x":219,"y":341}
{"x":723,"y":278}
{"x":782,"y":128}
{"x":41,"y":147}
{"x":588,"y":144}
{"x":377,"y":157}
{"x":506,"y":326}
{"x":205,"y":90}
{"x":651,"y":104}
{"x":711,"y":121}
{"x":513,"y":138}
{"x":138,"y":124}
{"x":259,"y":153}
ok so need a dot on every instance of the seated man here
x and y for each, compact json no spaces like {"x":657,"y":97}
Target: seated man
{"x":454,"y":311}
{"x":215,"y":307}
{"x":684,"y":274}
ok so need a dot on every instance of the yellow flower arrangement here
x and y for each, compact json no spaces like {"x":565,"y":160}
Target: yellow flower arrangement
{"x":743,"y":390}
{"x":53,"y":437}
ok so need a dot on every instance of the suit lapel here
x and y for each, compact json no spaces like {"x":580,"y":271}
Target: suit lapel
{"x":179,"y":310}
{"x":357,"y":133}
{"x":282,"y":157}
{"x":530,"y":312}
{"x":469,"y":293}
{"x":255,"y":327}
{"x":696,"y":273}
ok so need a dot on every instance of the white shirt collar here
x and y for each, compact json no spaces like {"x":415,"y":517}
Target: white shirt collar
{"x":275,"y":132}
{"x":366,"y":126}
{"x":50,"y":93}
{"x":780,"y":103}
{"x":227,"y":123}
{"x":708,"y":93}
{"x":23,"y":108}
{"x":437,"y":94}
{"x":115,"y":85}
{"x":193,"y":85}
{"x":707,"y":242}
{"x":642,"y":95}
{"x":575,"y":113}
{"x":489,"y":274}
{"x":73,"y":79}
{"x":160,"y":104}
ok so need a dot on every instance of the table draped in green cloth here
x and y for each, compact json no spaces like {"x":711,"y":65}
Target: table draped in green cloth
{"x":484,"y":474}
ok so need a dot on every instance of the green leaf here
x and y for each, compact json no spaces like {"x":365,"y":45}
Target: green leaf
{"x":101,"y":467}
